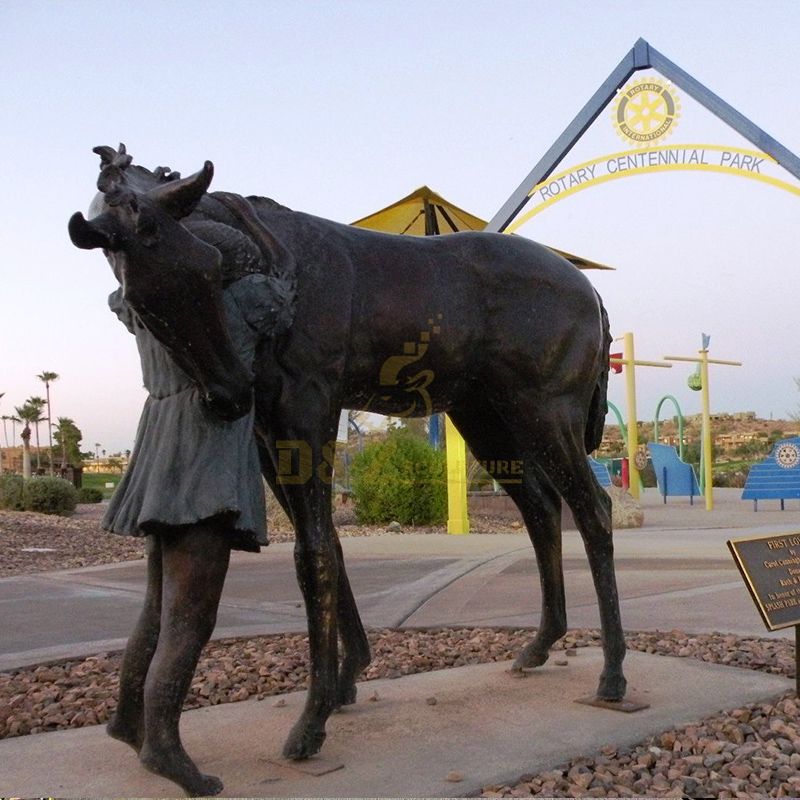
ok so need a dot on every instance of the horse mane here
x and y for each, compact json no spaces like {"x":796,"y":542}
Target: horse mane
{"x":266,"y":203}
{"x":243,"y":252}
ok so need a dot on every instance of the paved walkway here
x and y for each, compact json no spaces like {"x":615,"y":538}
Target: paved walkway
{"x":675,"y":572}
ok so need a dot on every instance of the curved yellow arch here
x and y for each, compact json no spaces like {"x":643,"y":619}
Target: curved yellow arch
{"x":625,"y":173}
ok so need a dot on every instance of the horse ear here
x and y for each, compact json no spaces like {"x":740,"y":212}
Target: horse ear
{"x":180,"y":198}
{"x":88,"y":235}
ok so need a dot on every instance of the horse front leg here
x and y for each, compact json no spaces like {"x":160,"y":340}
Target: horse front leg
{"x":317,"y":566}
{"x":355,"y":654}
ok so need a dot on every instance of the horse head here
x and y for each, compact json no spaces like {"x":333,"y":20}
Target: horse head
{"x":170,"y":277}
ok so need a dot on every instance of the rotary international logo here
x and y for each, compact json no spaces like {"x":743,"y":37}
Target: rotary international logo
{"x":646,"y":112}
{"x":788,"y":456}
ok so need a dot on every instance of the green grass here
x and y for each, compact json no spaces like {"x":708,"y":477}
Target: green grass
{"x":98,"y":480}
{"x":733,"y":466}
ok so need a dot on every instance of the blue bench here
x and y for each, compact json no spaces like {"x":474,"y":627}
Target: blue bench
{"x":777,"y":477}
{"x":675,"y":478}
{"x":600,"y":472}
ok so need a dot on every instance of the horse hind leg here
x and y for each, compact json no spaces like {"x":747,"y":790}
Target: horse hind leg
{"x":491,"y":442}
{"x":560,"y":452}
{"x":540,"y":506}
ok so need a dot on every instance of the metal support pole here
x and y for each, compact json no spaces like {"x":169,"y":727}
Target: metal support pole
{"x":708,"y":457}
{"x":796,"y":660}
{"x":457,"y":515}
{"x":633,"y":425}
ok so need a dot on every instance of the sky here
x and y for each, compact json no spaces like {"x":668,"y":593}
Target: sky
{"x":341,"y":108}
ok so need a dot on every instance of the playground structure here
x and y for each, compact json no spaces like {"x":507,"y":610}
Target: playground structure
{"x":777,"y":477}
{"x":600,"y":471}
{"x":629,"y":364}
{"x":708,"y":457}
{"x":675,"y":478}
{"x":678,"y":414}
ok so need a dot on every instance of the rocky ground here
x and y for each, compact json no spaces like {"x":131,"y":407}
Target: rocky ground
{"x":752,"y":751}
{"x":31,"y":542}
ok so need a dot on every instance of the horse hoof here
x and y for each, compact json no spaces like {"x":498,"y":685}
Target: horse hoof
{"x":612,"y":687}
{"x":130,"y":734}
{"x":303,"y":744}
{"x":209,"y":786}
{"x":347,"y":695}
{"x":529,"y":660}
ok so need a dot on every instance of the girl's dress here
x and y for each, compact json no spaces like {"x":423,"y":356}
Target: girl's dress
{"x":187,"y":465}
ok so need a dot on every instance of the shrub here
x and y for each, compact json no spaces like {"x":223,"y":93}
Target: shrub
{"x":731,"y":478}
{"x":88,"y":494}
{"x":50,"y":496}
{"x":402,"y":478}
{"x":11,"y":492}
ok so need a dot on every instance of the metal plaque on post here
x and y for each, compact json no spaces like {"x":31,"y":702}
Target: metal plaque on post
{"x":770,"y":567}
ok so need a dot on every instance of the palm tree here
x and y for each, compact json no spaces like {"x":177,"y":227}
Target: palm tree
{"x":68,"y":437}
{"x":37,"y":404}
{"x":14,"y":422}
{"x":5,"y":419}
{"x":47,"y":378}
{"x":27,"y":414}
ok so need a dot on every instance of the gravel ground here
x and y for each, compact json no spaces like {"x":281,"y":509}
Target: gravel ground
{"x":746,"y":752}
{"x":31,"y":542}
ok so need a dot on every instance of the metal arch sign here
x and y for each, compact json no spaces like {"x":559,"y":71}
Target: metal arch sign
{"x":644,"y":113}
{"x":726,"y":160}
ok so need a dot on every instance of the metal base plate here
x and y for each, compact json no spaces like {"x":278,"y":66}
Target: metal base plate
{"x":627,"y":705}
{"x":316,"y":766}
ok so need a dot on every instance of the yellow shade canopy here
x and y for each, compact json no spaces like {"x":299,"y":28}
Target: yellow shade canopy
{"x":425,"y":213}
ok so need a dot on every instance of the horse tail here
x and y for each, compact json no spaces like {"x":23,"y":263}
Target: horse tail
{"x":598,"y":408}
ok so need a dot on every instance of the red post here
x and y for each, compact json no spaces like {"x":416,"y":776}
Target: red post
{"x":626,"y":474}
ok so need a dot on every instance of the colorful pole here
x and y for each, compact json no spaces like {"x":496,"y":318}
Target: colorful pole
{"x":633,"y":425}
{"x":457,"y":514}
{"x":708,"y":456}
{"x":630,"y":363}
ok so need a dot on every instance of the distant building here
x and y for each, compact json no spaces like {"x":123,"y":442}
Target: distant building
{"x":112,"y":464}
{"x":12,"y":461}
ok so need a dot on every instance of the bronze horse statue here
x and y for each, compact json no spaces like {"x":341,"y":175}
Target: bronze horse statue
{"x":511,"y":340}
